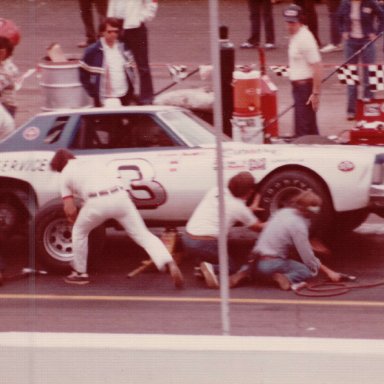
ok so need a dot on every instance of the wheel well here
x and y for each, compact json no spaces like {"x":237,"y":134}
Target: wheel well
{"x":287,"y":168}
{"x":19,"y":193}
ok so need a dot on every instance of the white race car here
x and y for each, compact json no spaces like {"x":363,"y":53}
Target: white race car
{"x":166,"y":158}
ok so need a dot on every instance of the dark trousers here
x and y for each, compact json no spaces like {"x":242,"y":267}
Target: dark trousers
{"x":261,"y":10}
{"x":136,"y":40}
{"x":333,"y":6}
{"x":304,"y":115}
{"x":86,"y":12}
{"x":310,"y":15}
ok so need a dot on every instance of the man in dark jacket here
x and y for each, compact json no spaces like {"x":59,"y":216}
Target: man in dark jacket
{"x":106,"y":70}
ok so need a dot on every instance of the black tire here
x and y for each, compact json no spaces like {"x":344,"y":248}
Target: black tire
{"x":53,"y":236}
{"x":9,"y":218}
{"x":348,"y":221}
{"x":278,"y":190}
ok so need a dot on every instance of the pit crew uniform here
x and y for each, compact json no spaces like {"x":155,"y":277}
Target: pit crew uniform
{"x":104,"y":198}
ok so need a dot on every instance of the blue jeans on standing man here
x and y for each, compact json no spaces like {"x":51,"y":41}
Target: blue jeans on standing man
{"x":368,"y":56}
{"x":304,"y":115}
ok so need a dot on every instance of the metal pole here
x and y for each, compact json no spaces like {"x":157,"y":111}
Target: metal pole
{"x":218,"y":122}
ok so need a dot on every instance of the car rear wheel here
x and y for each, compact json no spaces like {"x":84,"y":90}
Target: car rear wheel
{"x":277,"y":192}
{"x":54,"y":239}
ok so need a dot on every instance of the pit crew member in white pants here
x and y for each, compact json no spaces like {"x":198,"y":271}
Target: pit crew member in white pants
{"x":103,"y":199}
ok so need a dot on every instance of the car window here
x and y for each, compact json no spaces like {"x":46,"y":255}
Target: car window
{"x":57,"y":129}
{"x":120,"y":131}
{"x":193,"y":130}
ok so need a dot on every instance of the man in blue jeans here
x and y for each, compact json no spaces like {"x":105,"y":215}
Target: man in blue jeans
{"x":305,"y":71}
{"x":286,"y":232}
{"x":357,"y":21}
{"x":202,"y":230}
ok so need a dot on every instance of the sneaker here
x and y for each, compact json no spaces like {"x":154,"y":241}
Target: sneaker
{"x":239,"y":277}
{"x":298,"y":286}
{"x":209,"y":275}
{"x":282,"y":281}
{"x":176,"y":275}
{"x":248,"y":45}
{"x":269,"y":46}
{"x":350,"y":116}
{"x":331,"y":48}
{"x":77,"y":278}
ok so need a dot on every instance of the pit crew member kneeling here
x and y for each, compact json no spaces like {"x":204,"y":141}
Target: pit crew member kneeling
{"x":202,"y":229}
{"x":286,"y":231}
{"x":104,"y":198}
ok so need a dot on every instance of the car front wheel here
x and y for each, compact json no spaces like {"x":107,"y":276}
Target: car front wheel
{"x":54,"y":239}
{"x":278,"y":190}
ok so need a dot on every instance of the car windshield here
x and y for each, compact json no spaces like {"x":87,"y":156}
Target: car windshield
{"x":193,"y":130}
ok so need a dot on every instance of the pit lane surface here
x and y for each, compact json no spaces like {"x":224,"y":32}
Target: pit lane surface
{"x":148,"y":303}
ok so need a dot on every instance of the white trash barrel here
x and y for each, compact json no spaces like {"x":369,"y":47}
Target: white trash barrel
{"x":61,"y":85}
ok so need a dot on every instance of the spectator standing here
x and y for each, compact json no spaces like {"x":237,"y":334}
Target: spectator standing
{"x":202,"y":230}
{"x":135,"y":14}
{"x":260,"y":11}
{"x":106,"y":69}
{"x":335,"y":35}
{"x":86,"y":13}
{"x":357,"y":19}
{"x":285,"y":232}
{"x":104,"y":198}
{"x":8,"y":73}
{"x":305,"y":71}
{"x":310,"y":17}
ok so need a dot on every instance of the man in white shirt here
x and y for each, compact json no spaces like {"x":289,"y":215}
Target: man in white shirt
{"x":104,"y":198}
{"x":305,"y":71}
{"x":106,"y":69}
{"x":202,"y":230}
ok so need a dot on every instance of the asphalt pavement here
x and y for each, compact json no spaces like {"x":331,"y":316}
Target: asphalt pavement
{"x":178,"y":35}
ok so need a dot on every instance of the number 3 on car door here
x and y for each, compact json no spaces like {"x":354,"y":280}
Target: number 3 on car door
{"x":138,"y":179}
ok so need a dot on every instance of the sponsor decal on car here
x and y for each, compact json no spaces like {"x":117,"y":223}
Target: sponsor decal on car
{"x":257,"y":164}
{"x":346,"y":166}
{"x":37,"y":165}
{"x":31,"y":133}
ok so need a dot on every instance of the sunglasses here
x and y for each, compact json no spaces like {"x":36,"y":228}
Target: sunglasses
{"x":112,"y":31}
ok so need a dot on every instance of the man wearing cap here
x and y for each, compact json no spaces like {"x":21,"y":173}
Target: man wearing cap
{"x":305,"y":71}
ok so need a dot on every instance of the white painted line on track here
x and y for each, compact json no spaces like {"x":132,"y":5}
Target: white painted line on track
{"x":160,"y":299}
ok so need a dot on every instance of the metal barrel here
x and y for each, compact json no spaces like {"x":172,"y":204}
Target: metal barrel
{"x":61,"y":85}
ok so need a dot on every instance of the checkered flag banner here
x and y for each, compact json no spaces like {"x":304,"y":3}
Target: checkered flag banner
{"x":348,"y":74}
{"x":177,"y":72}
{"x":376,"y":77}
{"x":280,"y":70}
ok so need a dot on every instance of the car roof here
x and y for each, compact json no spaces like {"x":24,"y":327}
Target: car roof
{"x":132,"y":108}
